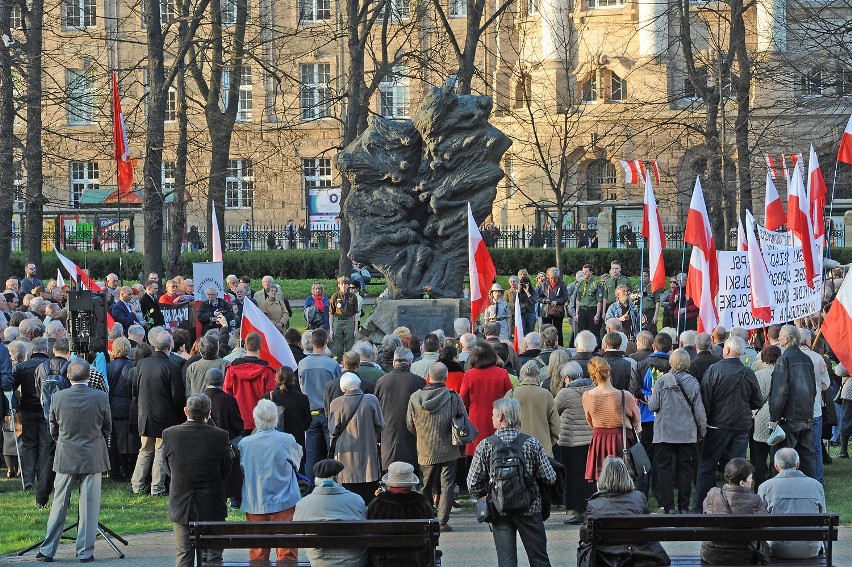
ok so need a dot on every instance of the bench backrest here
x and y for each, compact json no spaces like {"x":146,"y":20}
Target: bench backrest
{"x":406,"y":534}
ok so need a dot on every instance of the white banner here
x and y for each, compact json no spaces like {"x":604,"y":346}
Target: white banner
{"x":773,"y":240}
{"x":792,"y":296}
{"x":206,"y":275}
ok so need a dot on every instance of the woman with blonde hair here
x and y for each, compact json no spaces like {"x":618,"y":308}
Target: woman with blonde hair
{"x":555,"y":381}
{"x":603,"y":408}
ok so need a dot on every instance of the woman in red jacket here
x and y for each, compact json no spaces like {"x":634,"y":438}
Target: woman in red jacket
{"x":485,"y":382}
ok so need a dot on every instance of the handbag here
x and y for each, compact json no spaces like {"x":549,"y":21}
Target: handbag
{"x":305,"y":484}
{"x":340,"y":428}
{"x":463,"y":430}
{"x":556,"y":310}
{"x":635,"y":457}
{"x":485,"y":511}
{"x":776,"y":435}
{"x":648,"y":554}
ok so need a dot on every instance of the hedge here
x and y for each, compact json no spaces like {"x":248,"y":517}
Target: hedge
{"x":322,"y":264}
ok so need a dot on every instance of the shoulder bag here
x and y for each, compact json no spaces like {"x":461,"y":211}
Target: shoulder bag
{"x":340,"y":428}
{"x":463,"y":430}
{"x":688,"y":402}
{"x":635,"y":457}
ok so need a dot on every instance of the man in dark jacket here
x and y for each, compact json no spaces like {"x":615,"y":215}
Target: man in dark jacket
{"x":225,"y":414}
{"x":644,"y":346}
{"x":620,"y":366}
{"x":197,"y":456}
{"x":161,"y":394}
{"x":705,"y":357}
{"x":209,"y":311}
{"x":150,"y":307}
{"x":121,"y":311}
{"x":729,"y":392}
{"x":35,"y":436}
{"x":394,"y":389}
{"x":791,"y":399}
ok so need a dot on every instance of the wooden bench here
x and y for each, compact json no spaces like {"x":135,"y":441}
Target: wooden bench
{"x":605,"y":530}
{"x":395,"y":534}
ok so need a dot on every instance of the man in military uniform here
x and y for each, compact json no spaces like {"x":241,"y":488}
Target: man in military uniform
{"x":590,"y":296}
{"x":612,"y":282}
{"x":649,"y":304}
{"x":343,"y":306}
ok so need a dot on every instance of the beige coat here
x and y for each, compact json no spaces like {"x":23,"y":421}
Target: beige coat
{"x":276,"y":312}
{"x":357,"y":446}
{"x":538,"y":413}
{"x":574,"y":430}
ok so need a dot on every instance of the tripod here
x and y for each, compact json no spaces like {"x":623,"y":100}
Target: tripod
{"x":103,"y":531}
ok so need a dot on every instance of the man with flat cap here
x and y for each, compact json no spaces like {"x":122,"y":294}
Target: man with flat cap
{"x":330,"y":501}
{"x":343,"y":308}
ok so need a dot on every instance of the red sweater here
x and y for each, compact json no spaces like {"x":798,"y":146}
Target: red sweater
{"x":478,"y":391}
{"x":248,"y":379}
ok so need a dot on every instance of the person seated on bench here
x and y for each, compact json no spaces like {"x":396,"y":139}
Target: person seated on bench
{"x":792,"y":492}
{"x":735,"y":497}
{"x":330,"y":501}
{"x":617,"y":496}
{"x":400,"y":502}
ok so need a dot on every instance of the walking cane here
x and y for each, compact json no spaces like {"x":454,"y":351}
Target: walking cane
{"x":15,"y":434}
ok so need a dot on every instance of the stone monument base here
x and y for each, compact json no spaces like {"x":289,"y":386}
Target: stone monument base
{"x":421,"y":316}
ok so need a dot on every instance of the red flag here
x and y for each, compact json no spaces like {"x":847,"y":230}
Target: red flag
{"x":519,"y":325}
{"x":652,"y":229}
{"x":799,"y":221}
{"x":482,"y":271}
{"x":774,"y":217}
{"x":761,"y":287}
{"x":82,"y":279}
{"x":124,"y":164}
{"x":631,"y":171}
{"x":770,"y":163}
{"x":844,"y":154}
{"x":742,"y":244}
{"x":273,"y":347}
{"x":641,"y":165}
{"x":817,"y":192}
{"x":656,"y":172}
{"x":784,"y":169}
{"x":837,"y":326}
{"x":702,"y":282}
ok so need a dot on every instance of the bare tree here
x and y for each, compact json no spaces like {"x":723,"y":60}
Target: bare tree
{"x":7,"y":140}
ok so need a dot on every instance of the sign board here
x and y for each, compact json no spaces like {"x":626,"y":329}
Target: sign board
{"x":206,"y":275}
{"x":180,"y":316}
{"x":323,"y":204}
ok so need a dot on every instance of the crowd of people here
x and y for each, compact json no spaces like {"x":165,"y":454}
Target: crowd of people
{"x":210,"y":423}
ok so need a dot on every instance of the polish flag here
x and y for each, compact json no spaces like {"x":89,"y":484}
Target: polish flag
{"x":124,"y":164}
{"x":770,"y":164}
{"x":631,"y":171}
{"x":817,"y":192}
{"x":758,"y":271}
{"x":656,"y":172}
{"x":702,"y":281}
{"x":799,"y":221}
{"x":641,"y":166}
{"x":837,"y":326}
{"x":652,"y":229}
{"x":784,"y":169}
{"x":844,"y":154}
{"x":80,"y":277}
{"x":59,"y":280}
{"x":481,"y":267}
{"x":742,"y":244}
{"x":774,"y":217}
{"x":273,"y":347}
{"x":216,"y":244}
{"x":519,"y":325}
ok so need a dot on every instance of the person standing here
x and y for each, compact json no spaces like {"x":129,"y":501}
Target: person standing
{"x":506,"y":417}
{"x":615,"y":280}
{"x":35,"y":434}
{"x":553,"y":295}
{"x":394,"y":390}
{"x":30,"y":281}
{"x":244,"y":235}
{"x":343,"y":308}
{"x":538,"y":411}
{"x":198,"y":458}
{"x":81,"y":423}
{"x":590,"y":296}
{"x":248,"y":378}
{"x":315,"y":371}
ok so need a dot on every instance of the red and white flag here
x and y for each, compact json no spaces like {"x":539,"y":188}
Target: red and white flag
{"x":817,"y":193}
{"x":837,"y":326}
{"x":216,"y":240}
{"x":742,"y":245}
{"x":656,"y":172}
{"x":124,"y":164}
{"x":702,"y":281}
{"x":770,"y":164}
{"x":481,"y":267}
{"x":80,"y":277}
{"x":784,"y":169}
{"x":642,"y":173}
{"x":844,"y":154}
{"x":273,"y":347}
{"x":652,"y":229}
{"x":519,"y":325}
{"x":773,"y":209}
{"x":59,"y":280}
{"x":761,"y":287}
{"x":799,"y":221}
{"x":631,"y":171}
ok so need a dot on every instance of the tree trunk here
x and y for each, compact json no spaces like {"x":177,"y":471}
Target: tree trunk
{"x":179,"y":203}
{"x":33,"y":150}
{"x":152,"y":206}
{"x":7,"y":145}
{"x":743,"y":93}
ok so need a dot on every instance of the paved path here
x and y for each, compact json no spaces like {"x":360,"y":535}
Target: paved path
{"x":469,"y":545}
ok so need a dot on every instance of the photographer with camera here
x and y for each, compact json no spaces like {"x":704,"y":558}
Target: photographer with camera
{"x":214,"y":313}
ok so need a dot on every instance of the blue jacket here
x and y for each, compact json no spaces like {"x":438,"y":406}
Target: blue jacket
{"x":269,"y":483}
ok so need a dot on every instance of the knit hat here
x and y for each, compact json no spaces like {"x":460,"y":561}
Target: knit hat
{"x":400,"y":474}
{"x":327,"y":468}
{"x":214,"y":377}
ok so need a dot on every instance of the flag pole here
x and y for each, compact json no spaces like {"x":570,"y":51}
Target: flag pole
{"x":831,"y":209}
{"x":681,"y":290}
{"x":641,"y":271}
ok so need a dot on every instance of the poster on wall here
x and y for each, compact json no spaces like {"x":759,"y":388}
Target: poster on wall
{"x":206,"y":275}
{"x":624,"y":216}
{"x":323,"y":205}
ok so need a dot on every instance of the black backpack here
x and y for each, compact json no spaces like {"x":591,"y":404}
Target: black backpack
{"x":52,"y":383}
{"x":510,"y":491}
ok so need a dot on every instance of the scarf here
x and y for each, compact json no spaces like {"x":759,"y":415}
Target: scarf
{"x":319,"y":303}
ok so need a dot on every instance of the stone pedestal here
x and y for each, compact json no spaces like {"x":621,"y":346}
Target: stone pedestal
{"x":421,"y":316}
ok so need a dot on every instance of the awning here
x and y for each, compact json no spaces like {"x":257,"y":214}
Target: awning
{"x":109,"y":197}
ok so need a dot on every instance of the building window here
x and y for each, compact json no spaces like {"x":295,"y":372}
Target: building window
{"x":689,"y":90}
{"x":171,"y":105}
{"x":601,"y":172}
{"x":395,"y":94}
{"x":18,"y":184}
{"x":84,"y":175}
{"x":605,"y":4}
{"x":509,"y":171}
{"x":81,"y":97}
{"x":618,"y":88}
{"x":239,"y":185}
{"x":168,"y":181}
{"x":844,"y":82}
{"x":316,"y":173}
{"x":589,"y":88}
{"x":314,"y":10}
{"x":458,"y":8}
{"x":229,"y":12}
{"x":532,"y":7}
{"x":16,"y":18}
{"x":80,"y":14}
{"x":523,"y":91}
{"x":167,"y":12}
{"x":812,"y":83}
{"x":315,"y":91}
{"x":399,"y":9}
{"x":245,"y":102}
